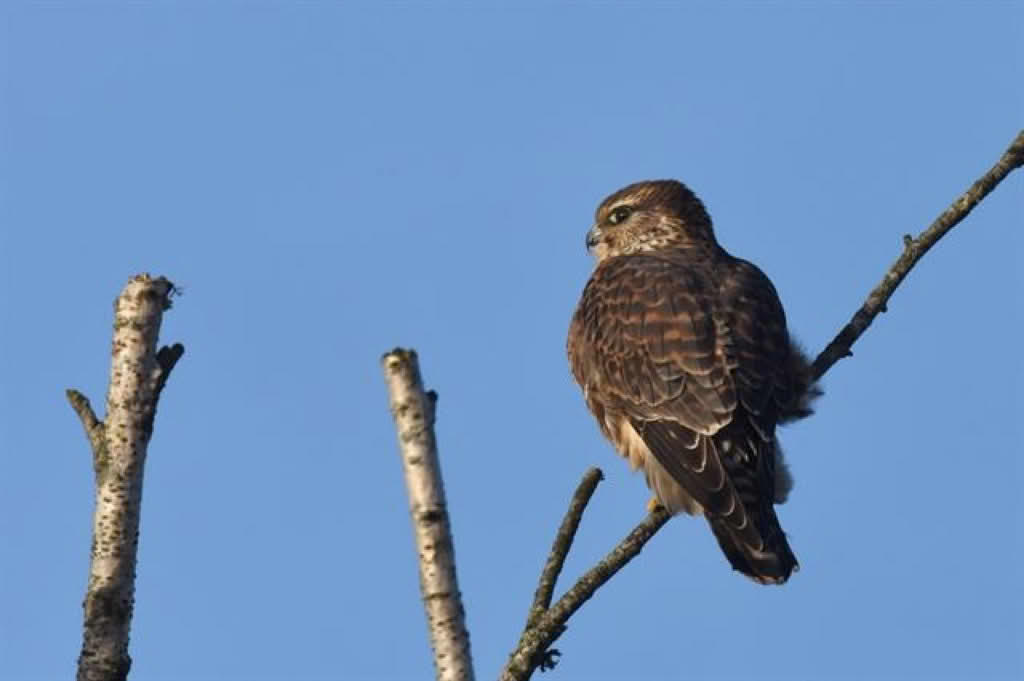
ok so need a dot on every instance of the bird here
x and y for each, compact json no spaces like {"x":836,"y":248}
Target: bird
{"x":684,"y":358}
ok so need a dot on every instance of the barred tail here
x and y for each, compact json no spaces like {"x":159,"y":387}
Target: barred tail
{"x":771,"y":563}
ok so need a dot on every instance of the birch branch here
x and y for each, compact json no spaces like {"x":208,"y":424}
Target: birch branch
{"x":413,"y":411}
{"x":137,"y":375}
{"x":543,"y":628}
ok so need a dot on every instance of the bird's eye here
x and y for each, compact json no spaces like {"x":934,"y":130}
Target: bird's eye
{"x":620,"y":214}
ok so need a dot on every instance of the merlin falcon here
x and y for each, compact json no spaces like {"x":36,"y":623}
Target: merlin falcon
{"x":684,"y":358}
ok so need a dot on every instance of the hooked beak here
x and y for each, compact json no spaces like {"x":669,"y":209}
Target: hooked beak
{"x":593,"y":238}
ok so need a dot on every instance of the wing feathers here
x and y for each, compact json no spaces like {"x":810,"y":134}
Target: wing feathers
{"x":696,"y":361}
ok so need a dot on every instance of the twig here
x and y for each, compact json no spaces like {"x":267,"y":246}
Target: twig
{"x":913,"y":250}
{"x":93,"y":426}
{"x":542,"y":630}
{"x":413,"y":411}
{"x":137,"y":374}
{"x":532,"y":651}
{"x":166,"y":358}
{"x":562,"y":544}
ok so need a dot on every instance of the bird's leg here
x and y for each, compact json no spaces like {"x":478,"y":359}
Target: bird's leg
{"x":653,"y":504}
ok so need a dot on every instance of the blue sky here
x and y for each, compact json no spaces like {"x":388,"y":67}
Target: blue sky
{"x":326,"y":181}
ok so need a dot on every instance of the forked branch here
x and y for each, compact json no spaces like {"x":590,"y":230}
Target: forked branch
{"x":138,"y":374}
{"x":544,"y":627}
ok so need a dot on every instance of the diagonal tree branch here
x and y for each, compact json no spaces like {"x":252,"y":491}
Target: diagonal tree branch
{"x":534,"y":645}
{"x":562,"y":544}
{"x":137,"y":375}
{"x":413,"y":409}
{"x":913,"y":250}
{"x":542,"y":630}
{"x":93,"y":426}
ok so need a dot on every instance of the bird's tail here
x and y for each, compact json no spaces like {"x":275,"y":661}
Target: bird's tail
{"x":770,"y":563}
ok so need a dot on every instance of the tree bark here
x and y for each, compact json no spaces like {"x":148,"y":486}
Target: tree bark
{"x":413,"y":411}
{"x":137,"y":375}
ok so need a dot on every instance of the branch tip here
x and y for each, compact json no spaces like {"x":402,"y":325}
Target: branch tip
{"x":913,"y":250}
{"x":80,"y":403}
{"x":168,"y":356}
{"x":563,"y":542}
{"x":393,"y":359}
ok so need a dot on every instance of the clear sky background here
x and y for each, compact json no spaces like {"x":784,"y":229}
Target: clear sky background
{"x":327,"y":181}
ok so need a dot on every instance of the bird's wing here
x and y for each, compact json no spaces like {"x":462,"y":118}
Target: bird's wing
{"x":646,"y":342}
{"x":767,"y":378}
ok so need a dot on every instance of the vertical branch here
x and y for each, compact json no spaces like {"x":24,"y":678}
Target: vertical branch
{"x":413,"y":411}
{"x":137,"y":375}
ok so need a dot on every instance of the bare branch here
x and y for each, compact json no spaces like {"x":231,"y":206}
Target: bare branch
{"x":543,"y":629}
{"x":137,"y":373}
{"x":532,"y":651}
{"x":93,"y":426}
{"x":563,"y":542}
{"x":914,"y":249}
{"x":165,"y":359}
{"x":413,"y":410}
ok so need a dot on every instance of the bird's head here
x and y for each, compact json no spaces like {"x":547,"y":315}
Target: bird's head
{"x":649,"y":216}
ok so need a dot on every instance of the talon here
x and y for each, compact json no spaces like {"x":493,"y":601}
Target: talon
{"x":653,"y":504}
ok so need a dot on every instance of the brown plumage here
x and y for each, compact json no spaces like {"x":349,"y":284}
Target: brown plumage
{"x":684,"y":358}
